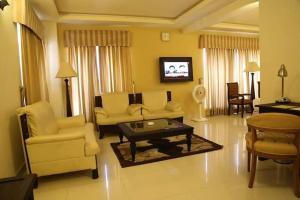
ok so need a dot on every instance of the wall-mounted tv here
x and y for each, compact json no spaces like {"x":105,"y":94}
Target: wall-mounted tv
{"x":176,"y":69}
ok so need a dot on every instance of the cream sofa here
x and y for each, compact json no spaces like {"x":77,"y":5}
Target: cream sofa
{"x":159,"y":104}
{"x":54,"y":146}
{"x":114,"y":108}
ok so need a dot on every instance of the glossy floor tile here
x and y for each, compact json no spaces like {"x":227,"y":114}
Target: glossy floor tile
{"x":220,"y":174}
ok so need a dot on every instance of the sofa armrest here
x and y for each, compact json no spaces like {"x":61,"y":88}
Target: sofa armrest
{"x":69,"y":122}
{"x":101,"y":112}
{"x":54,"y":138}
{"x":134,"y":109}
{"x":173,"y":106}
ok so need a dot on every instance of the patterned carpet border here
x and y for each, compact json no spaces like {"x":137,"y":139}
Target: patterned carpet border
{"x":164,"y":149}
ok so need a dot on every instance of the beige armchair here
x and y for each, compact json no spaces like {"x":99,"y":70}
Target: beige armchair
{"x":159,"y":104}
{"x":115,"y":108}
{"x":54,"y":146}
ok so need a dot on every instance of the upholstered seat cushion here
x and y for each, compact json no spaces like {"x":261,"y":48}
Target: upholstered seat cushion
{"x":118,"y":118}
{"x":41,"y":118}
{"x":273,"y":143}
{"x":156,"y":114}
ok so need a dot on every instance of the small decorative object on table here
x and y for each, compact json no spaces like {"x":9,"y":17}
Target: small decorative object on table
{"x":282,"y":73}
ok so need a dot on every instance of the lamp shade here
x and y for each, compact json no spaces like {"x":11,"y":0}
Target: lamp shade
{"x":282,"y":72}
{"x":252,"y":67}
{"x":66,"y":71}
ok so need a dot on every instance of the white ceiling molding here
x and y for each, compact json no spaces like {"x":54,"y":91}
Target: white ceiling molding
{"x":46,"y":9}
{"x":218,"y":16}
{"x":207,"y":14}
{"x":235,"y":27}
{"x":81,"y":18}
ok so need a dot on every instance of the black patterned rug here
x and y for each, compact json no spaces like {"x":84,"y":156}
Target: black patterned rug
{"x":162,"y":149}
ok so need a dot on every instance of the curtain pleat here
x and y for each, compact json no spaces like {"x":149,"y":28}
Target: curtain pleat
{"x":116,"y":72}
{"x":228,"y":42}
{"x":83,"y":60}
{"x":33,"y":67}
{"x":81,"y":38}
{"x":223,"y":66}
{"x":24,"y":14}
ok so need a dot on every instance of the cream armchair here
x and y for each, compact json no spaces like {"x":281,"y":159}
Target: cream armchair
{"x":158,"y":104}
{"x":54,"y":146}
{"x":115,"y":108}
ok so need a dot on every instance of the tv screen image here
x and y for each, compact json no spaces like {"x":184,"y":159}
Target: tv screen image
{"x":176,"y":69}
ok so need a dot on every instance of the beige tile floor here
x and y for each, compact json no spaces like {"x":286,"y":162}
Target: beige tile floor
{"x":215,"y":175}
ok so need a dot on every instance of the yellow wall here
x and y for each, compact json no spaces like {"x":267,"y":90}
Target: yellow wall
{"x":11,"y":155}
{"x":146,"y":48}
{"x":280,"y":44}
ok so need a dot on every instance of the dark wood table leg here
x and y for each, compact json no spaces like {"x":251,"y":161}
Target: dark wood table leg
{"x":121,"y":136}
{"x":189,"y":141}
{"x":133,"y":150}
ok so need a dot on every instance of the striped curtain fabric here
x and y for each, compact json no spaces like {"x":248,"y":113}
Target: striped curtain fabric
{"x":228,"y":42}
{"x":88,"y":38}
{"x":23,"y":14}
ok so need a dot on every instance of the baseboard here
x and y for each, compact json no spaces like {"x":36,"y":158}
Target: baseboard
{"x":21,"y":170}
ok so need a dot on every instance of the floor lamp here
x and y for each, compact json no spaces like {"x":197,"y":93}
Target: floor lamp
{"x":252,"y":67}
{"x":65,"y":72}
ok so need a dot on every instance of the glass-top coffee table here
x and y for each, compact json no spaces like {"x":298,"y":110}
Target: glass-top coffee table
{"x":153,"y":129}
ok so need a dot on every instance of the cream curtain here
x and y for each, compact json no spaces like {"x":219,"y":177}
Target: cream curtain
{"x":24,"y":14}
{"x":228,"y":42}
{"x":220,"y":67}
{"x":33,"y":67}
{"x":84,"y":38}
{"x":115,"y":69}
{"x":83,"y":60}
{"x":103,"y":63}
{"x":100,"y":70}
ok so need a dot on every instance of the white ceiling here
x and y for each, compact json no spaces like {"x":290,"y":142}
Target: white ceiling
{"x":187,"y":15}
{"x":143,"y":8}
{"x":249,"y":16}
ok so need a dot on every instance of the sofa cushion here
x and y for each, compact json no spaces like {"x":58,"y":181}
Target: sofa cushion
{"x":115,"y":102}
{"x":155,"y":100}
{"x":41,"y":119}
{"x":161,"y":114}
{"x":118,"y":118}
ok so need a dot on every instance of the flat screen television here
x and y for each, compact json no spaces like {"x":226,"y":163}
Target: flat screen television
{"x":176,"y":69}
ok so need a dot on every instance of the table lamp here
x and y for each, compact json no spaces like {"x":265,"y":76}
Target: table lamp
{"x":66,"y":71}
{"x":282,"y":72}
{"x":252,"y":67}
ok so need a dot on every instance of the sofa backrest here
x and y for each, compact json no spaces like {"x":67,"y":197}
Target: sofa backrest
{"x":155,"y":100}
{"x":40,"y":118}
{"x":115,"y":103}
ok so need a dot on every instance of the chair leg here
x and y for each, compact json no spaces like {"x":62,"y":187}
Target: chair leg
{"x":238,"y":109}
{"x":95,"y":173}
{"x":252,"y":108}
{"x":296,"y":178}
{"x":248,"y":160}
{"x":242,"y":111}
{"x":252,"y":170}
{"x":101,"y":132}
{"x":228,"y":112}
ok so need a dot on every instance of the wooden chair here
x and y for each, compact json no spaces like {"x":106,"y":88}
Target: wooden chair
{"x":234,"y":98}
{"x":275,"y":136}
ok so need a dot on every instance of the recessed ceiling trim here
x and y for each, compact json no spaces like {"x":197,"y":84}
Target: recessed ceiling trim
{"x":235,"y":27}
{"x":113,"y":18}
{"x":217,"y":16}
